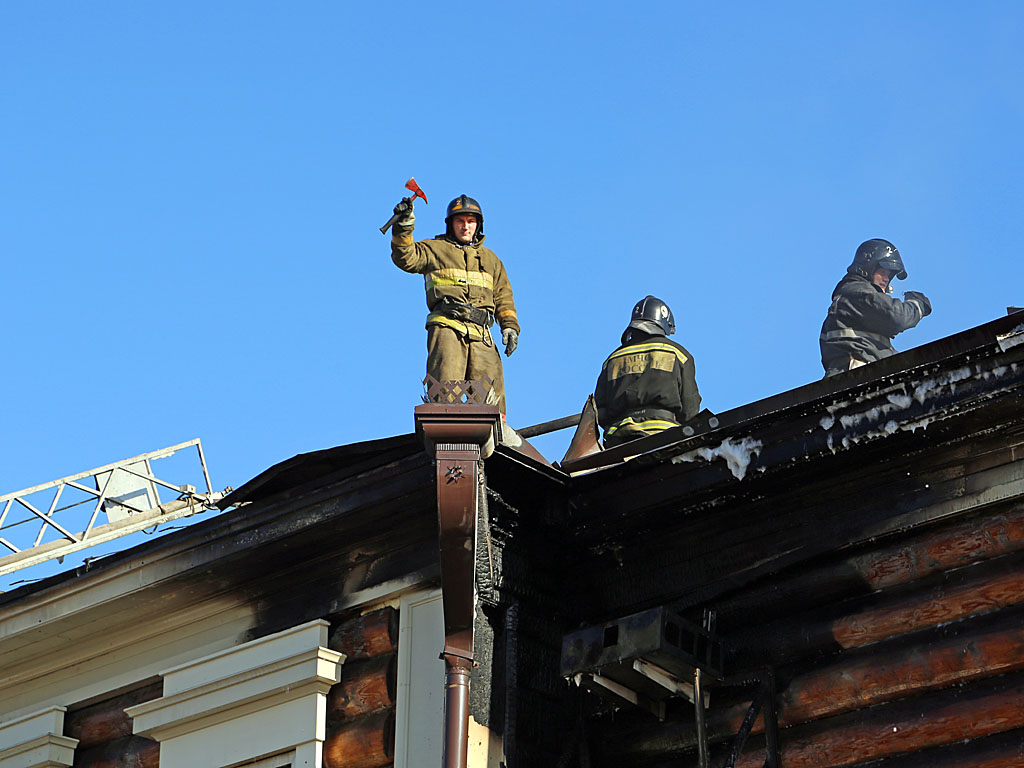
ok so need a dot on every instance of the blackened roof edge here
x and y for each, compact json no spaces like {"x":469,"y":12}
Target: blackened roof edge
{"x":982,"y":336}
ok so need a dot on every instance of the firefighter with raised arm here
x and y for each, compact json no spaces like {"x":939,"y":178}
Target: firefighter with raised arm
{"x":864,"y":317}
{"x":648,"y":384}
{"x":467,"y":290}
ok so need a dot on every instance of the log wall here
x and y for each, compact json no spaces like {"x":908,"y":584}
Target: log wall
{"x":361,"y":706}
{"x":104,"y":732}
{"x":910,"y":652}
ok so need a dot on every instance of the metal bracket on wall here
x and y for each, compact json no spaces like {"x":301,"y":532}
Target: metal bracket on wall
{"x":764,"y":698}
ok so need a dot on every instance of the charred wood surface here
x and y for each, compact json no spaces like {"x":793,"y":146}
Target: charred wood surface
{"x":867,"y":679}
{"x":366,"y":686}
{"x":766,"y":523}
{"x":366,"y":636}
{"x":970,"y":591}
{"x":128,"y":752}
{"x":1004,"y":750}
{"x":106,"y":720}
{"x":366,"y":742}
{"x":985,"y":536}
{"x":902,"y":728}
{"x":716,"y":551}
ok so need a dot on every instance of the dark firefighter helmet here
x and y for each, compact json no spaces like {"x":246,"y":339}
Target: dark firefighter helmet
{"x":465,"y":204}
{"x":876,"y":253}
{"x":652,"y":315}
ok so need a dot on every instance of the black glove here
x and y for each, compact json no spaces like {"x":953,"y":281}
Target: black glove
{"x":510,"y":339}
{"x":920,"y":298}
{"x":404,"y":210}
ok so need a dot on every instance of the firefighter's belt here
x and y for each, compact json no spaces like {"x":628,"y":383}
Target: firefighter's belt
{"x":849,"y":333}
{"x":467,"y":313}
{"x":650,"y":414}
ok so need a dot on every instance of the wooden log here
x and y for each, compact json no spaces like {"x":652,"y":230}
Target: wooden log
{"x":986,"y":592}
{"x":129,"y":752}
{"x":362,"y":637}
{"x":979,"y":589}
{"x":902,"y":672}
{"x":106,"y":720}
{"x":1004,"y":750}
{"x":366,"y":686}
{"x":365,"y":742}
{"x":914,"y":558}
{"x":896,"y":673}
{"x":901,"y":728}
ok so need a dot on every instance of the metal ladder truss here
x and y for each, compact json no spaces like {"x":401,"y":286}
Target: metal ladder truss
{"x":127,"y":492}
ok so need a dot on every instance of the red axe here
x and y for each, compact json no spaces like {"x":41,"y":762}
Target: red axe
{"x":413,"y":187}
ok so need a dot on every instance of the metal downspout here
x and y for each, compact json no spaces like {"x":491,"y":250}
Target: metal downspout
{"x":458,"y":436}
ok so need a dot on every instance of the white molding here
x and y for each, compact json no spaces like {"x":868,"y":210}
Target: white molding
{"x":264,"y":697}
{"x":408,"y":704}
{"x":37,"y":741}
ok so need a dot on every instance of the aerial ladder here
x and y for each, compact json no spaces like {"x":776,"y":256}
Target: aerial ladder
{"x":98,"y":506}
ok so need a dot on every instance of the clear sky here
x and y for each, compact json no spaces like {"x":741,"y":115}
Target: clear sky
{"x":190,"y":196}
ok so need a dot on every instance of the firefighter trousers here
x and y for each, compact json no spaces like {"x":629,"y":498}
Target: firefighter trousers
{"x":451,"y":356}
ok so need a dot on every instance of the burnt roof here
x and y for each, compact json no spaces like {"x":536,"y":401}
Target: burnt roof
{"x":982,"y":338}
{"x":327,"y":465}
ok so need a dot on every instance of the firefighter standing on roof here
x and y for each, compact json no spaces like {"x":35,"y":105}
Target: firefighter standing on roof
{"x":467,"y":290}
{"x":863,"y":317}
{"x":648,"y":384}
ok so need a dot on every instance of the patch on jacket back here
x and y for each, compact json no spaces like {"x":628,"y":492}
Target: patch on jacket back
{"x":624,"y":365}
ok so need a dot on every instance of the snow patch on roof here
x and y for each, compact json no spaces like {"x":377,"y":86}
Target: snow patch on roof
{"x":737,"y":455}
{"x":901,"y":401}
{"x":1011,"y":339}
{"x":923,"y":390}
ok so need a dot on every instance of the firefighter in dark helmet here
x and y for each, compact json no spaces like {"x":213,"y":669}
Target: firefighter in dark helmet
{"x":648,"y":384}
{"x":864,"y":317}
{"x":467,"y":291}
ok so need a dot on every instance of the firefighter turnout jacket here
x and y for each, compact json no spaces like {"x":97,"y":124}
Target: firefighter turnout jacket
{"x":458,"y":279}
{"x":861,"y":322}
{"x":647,"y":385}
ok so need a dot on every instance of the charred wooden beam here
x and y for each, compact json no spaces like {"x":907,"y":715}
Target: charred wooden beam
{"x":365,"y":742}
{"x":366,"y":686}
{"x":987,"y":587}
{"x":128,"y":752}
{"x":852,"y":684}
{"x":902,"y":728}
{"x":366,"y":636}
{"x":981,"y":538}
{"x":106,"y":720}
{"x":899,"y":673}
{"x":1004,"y":750}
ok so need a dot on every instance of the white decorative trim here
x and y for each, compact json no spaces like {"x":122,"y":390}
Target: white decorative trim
{"x":37,"y":741}
{"x":262,"y":698}
{"x":419,"y":705}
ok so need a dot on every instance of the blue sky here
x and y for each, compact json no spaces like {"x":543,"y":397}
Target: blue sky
{"x":190,"y":194}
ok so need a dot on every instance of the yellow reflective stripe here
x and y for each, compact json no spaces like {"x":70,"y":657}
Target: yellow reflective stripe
{"x":402,"y":238}
{"x":441,"y":278}
{"x":471,"y":330}
{"x":651,"y":425}
{"x":659,"y":346}
{"x":507,"y":313}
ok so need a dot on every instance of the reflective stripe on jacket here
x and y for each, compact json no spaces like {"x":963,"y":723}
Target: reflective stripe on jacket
{"x":470,"y":274}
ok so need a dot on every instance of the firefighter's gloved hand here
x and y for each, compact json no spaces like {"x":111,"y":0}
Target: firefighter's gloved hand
{"x":920,"y":298}
{"x":404,"y":210}
{"x":510,"y":339}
